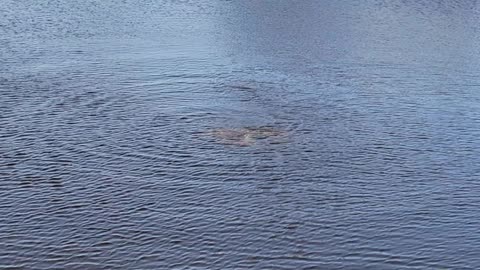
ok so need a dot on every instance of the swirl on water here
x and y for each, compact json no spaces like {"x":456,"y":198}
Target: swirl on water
{"x":246,"y":136}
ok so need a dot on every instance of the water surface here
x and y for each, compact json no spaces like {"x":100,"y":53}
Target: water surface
{"x":104,"y":106}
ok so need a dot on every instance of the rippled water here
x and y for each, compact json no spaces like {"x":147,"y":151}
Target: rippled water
{"x":107,"y":159}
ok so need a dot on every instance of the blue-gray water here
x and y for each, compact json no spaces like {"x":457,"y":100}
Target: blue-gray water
{"x":106,"y":161}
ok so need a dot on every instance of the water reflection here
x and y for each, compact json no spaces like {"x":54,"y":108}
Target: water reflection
{"x":400,"y":32}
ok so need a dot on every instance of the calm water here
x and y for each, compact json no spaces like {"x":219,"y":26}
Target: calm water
{"x":106,"y":161}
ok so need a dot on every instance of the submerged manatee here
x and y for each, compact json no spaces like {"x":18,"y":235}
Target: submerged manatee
{"x":246,"y":136}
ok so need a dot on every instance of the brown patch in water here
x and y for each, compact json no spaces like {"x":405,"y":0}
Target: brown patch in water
{"x":246,"y":136}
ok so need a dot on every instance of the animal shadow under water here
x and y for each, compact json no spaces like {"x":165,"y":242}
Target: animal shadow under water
{"x":246,"y":136}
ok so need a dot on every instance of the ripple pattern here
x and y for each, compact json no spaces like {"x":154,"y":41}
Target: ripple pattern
{"x":106,"y":162}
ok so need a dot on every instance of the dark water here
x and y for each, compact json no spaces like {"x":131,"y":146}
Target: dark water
{"x":106,"y":162}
